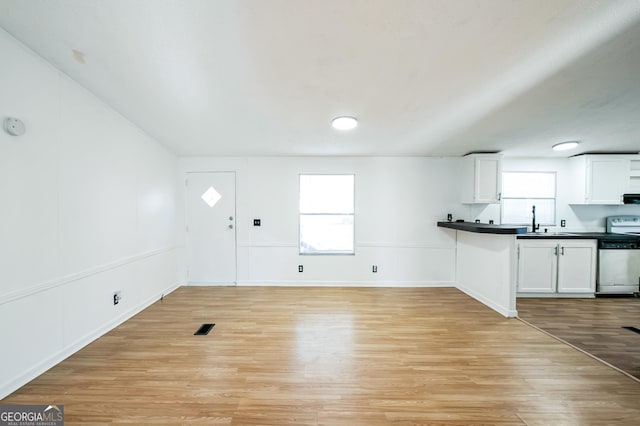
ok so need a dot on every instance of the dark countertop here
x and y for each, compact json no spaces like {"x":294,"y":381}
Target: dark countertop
{"x":521,"y":232}
{"x":484,"y":228}
{"x":602,"y":236}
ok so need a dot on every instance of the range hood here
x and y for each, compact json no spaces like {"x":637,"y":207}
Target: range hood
{"x":631,"y":198}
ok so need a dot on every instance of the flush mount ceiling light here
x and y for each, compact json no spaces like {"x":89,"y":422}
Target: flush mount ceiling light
{"x":563,"y":146}
{"x":344,"y":123}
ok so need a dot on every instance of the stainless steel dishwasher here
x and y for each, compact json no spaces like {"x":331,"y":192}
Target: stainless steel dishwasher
{"x":619,"y":256}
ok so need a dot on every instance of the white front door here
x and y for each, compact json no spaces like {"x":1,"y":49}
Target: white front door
{"x":211,"y":228}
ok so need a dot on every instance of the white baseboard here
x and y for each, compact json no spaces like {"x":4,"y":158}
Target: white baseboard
{"x":22,"y":379}
{"x":263,"y":283}
{"x":509,"y":313}
{"x":557,"y":295}
{"x":210,"y":284}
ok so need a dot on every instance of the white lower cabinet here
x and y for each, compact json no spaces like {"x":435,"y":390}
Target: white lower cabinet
{"x":556,"y":267}
{"x":537,"y":266}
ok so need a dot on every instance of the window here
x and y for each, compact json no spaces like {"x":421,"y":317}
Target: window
{"x":523,"y":190}
{"x":327,"y":214}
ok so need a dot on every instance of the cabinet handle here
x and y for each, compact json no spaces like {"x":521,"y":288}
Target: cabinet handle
{"x":562,"y":250}
{"x":555,"y":251}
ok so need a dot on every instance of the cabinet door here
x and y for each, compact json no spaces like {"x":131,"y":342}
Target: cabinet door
{"x":606,"y":180}
{"x":487,"y":179}
{"x":537,"y":266}
{"x":633,"y":184}
{"x":577,"y":266}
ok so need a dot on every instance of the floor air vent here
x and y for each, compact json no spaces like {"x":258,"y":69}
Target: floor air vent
{"x":204,"y":329}
{"x":634,"y":329}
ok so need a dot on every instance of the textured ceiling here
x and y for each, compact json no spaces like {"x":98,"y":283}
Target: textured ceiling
{"x":424,"y":77}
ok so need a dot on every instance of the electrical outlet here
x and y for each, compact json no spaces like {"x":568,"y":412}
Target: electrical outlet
{"x":300,"y":268}
{"x":374,"y":269}
{"x":117,"y":296}
{"x":256,"y":222}
{"x":563,"y":223}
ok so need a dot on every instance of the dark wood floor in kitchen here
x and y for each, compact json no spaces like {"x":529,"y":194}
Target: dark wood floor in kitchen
{"x":594,"y":325}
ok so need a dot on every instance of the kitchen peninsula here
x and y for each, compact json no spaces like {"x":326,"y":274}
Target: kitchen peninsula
{"x":486,"y":262}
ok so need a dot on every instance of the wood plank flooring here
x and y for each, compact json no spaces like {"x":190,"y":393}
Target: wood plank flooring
{"x":331,"y":356}
{"x":593,"y":325}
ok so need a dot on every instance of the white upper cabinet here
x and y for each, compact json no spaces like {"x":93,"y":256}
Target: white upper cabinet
{"x":602,"y":179}
{"x":605,"y":180}
{"x":633,"y":184}
{"x":482,"y":178}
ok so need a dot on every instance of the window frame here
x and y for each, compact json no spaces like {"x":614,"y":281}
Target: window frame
{"x":554,"y":198}
{"x":352,"y":252}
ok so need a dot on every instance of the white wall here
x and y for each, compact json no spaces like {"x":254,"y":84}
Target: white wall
{"x":88,"y":207}
{"x":398,"y":202}
{"x":580,"y":218}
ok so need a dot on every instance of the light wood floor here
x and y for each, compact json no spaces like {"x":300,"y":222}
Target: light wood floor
{"x":594,"y":325}
{"x":332,"y":356}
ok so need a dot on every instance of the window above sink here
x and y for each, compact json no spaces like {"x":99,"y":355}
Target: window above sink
{"x":523,"y":190}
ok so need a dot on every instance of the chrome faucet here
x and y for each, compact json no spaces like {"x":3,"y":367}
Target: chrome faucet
{"x":533,"y":221}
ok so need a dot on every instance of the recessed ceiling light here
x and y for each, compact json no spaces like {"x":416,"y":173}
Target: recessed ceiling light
{"x":344,"y":123}
{"x":563,"y":146}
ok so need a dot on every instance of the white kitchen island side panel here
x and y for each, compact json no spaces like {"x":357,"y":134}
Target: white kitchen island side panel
{"x":485,"y":264}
